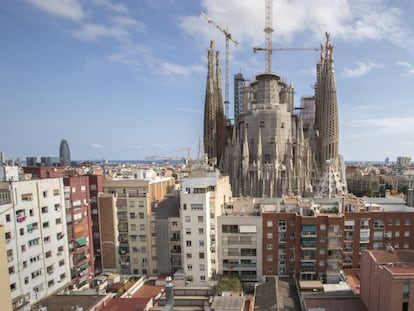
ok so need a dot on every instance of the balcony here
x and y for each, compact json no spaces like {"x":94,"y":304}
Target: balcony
{"x":308,"y":234}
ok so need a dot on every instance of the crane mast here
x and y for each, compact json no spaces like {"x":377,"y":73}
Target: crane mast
{"x":227,"y":69}
{"x":268,"y":39}
{"x":268,"y":35}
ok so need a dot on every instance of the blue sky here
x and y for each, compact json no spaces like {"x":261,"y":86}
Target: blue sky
{"x":126,"y":79}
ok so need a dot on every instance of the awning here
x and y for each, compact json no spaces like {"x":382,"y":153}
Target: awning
{"x":84,"y":266}
{"x":81,"y":242}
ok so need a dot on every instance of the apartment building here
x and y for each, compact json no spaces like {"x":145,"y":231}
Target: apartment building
{"x":32,"y":213}
{"x":387,"y":279}
{"x":95,"y":187}
{"x":79,"y":229}
{"x":168,"y":233}
{"x":5,"y":290}
{"x":302,"y":238}
{"x":135,"y":237}
{"x":374,"y":227}
{"x":202,"y":200}
{"x":239,"y":240}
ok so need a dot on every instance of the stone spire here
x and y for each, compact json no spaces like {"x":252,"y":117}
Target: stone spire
{"x":214,"y":120}
{"x":326,"y":114}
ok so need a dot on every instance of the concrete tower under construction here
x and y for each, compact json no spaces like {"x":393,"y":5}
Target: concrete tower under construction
{"x":214,"y":118}
{"x":277,"y":149}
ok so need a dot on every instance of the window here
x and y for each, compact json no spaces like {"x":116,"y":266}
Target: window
{"x":269,"y":235}
{"x":189,"y":255}
{"x":187,"y":219}
{"x":202,"y":267}
{"x":195,"y":207}
{"x":141,"y":215}
{"x":46,"y":239}
{"x":200,"y":218}
{"x":132,"y":215}
{"x":189,"y":267}
{"x":201,"y":243}
{"x":13,"y":287}
{"x":269,"y":258}
{"x":73,"y":189}
{"x":24,"y":263}
{"x":406,"y":290}
{"x":46,"y":224}
{"x":407,"y":222}
{"x":202,"y":278}
{"x":83,"y":188}
{"x":45,"y":194}
{"x":397,"y":222}
{"x":8,"y":235}
{"x":44,"y":209}
{"x":188,"y":242}
{"x":269,"y":223}
{"x":200,"y":231}
{"x":188,"y":231}
{"x":11,"y":270}
{"x":31,"y":212}
{"x":175,"y":224}
{"x":8,"y":218}
{"x":23,"y":248}
{"x":201,"y":255}
{"x":48,"y":254}
{"x":58,"y":221}
{"x":322,"y":227}
{"x":133,"y":227}
{"x":27,"y":197}
{"x":406,"y":234}
{"x":282,"y":225}
{"x":397,"y":234}
{"x":185,"y":207}
{"x":26,"y":280}
{"x":56,"y":192}
{"x":269,"y":246}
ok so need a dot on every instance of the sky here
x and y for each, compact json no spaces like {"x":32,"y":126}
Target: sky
{"x":122,"y":80}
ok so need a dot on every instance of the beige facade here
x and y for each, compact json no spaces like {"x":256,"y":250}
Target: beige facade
{"x":5,"y":295}
{"x":135,"y":202}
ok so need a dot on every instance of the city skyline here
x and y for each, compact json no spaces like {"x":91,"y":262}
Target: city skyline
{"x":125,"y":80}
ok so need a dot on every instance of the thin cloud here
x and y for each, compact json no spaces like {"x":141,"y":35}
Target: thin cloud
{"x":142,"y":59}
{"x":408,"y":66}
{"x":360,"y":70}
{"x":384,"y":126}
{"x":128,"y":22}
{"x":71,"y":9}
{"x":170,"y":69}
{"x":355,"y":20}
{"x":93,"y":32}
{"x":97,"y":146}
{"x":107,"y":4}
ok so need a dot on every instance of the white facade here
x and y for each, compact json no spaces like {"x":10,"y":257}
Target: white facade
{"x":201,"y":201}
{"x":34,"y":218}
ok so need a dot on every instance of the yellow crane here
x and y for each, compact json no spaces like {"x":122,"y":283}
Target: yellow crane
{"x":236,"y":43}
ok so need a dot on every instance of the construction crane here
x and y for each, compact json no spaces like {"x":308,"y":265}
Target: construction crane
{"x":268,"y":39}
{"x":226,"y":82}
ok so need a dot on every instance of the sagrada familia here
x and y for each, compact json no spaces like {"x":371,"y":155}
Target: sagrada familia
{"x":273,"y":148}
